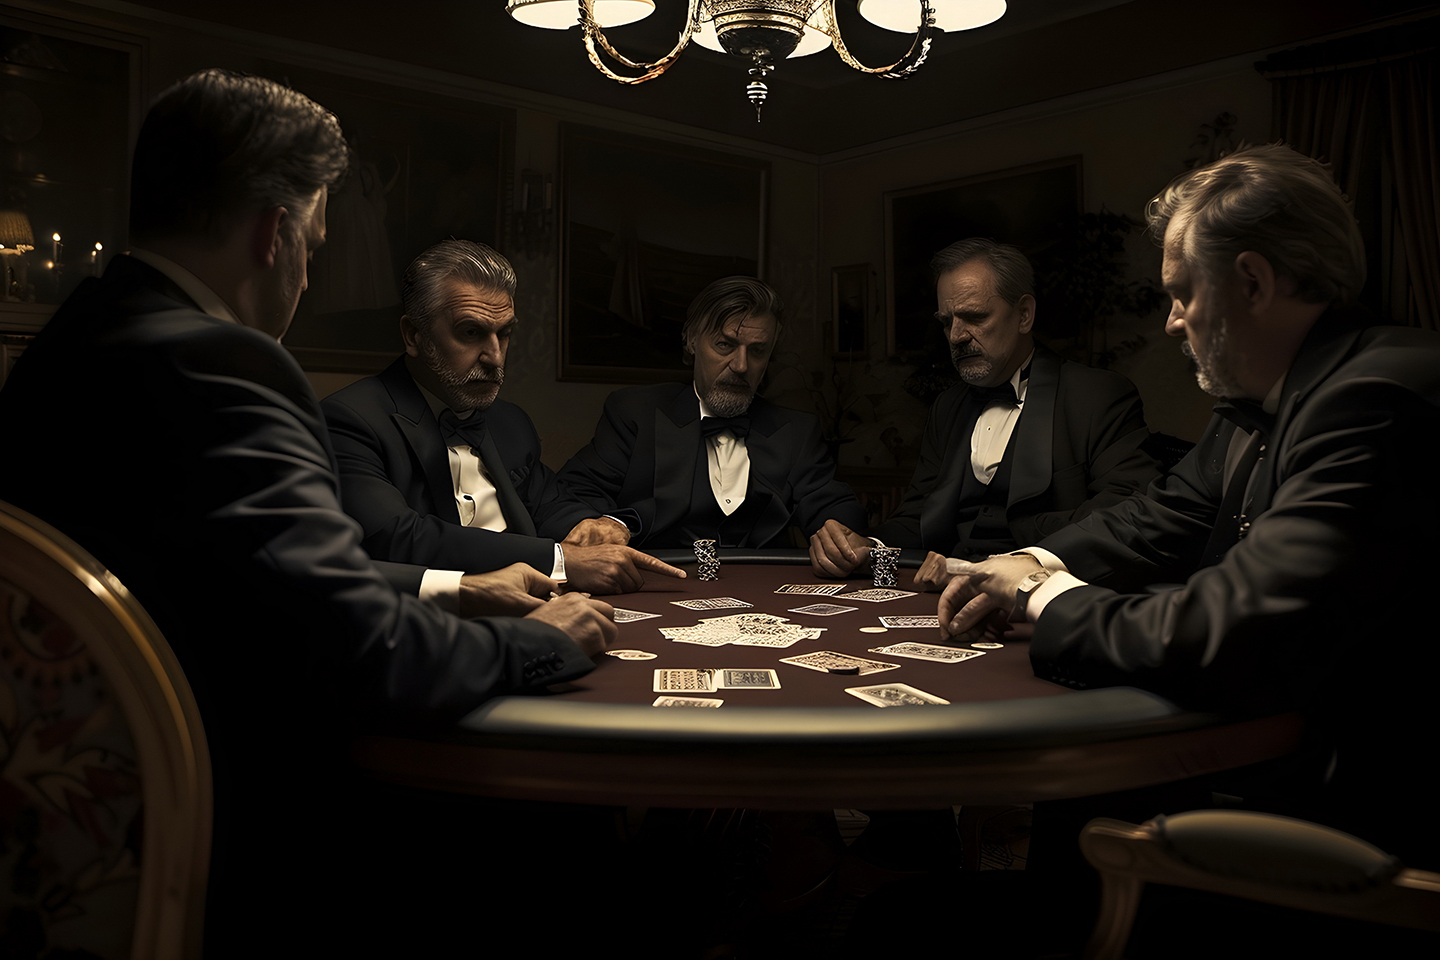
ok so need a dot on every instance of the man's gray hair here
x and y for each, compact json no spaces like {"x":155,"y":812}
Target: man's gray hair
{"x":1271,"y":200}
{"x":1014,"y":276}
{"x":729,"y":298}
{"x":459,"y":259}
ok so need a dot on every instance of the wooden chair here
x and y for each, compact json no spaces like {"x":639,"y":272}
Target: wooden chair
{"x":1256,"y":856}
{"x":102,"y":754}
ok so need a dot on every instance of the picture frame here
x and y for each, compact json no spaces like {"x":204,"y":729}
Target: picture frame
{"x":1034,"y":207}
{"x":644,"y":226}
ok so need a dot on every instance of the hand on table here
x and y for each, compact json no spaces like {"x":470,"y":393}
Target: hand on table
{"x":511,"y":591}
{"x":611,"y":568}
{"x":598,"y":530}
{"x":836,"y":550}
{"x":980,"y":594}
{"x":932,"y":574}
{"x":590,"y":623}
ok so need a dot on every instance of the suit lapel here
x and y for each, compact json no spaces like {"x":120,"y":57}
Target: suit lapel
{"x":517,"y":518}
{"x":1033,"y":439}
{"x":677,"y":438}
{"x":765,"y":446}
{"x":422,"y":433}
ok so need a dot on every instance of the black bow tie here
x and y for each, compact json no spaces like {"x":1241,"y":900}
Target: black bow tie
{"x":469,"y":432}
{"x":1248,"y":416}
{"x":711,"y":426}
{"x":1002,"y":393}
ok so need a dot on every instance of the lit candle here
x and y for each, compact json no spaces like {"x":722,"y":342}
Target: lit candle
{"x":55,"y":247}
{"x":95,"y":259}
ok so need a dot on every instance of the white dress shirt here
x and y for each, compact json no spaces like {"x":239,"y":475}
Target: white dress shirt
{"x":729,"y":463}
{"x":995,"y":426}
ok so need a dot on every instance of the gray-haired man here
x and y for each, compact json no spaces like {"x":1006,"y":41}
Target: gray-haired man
{"x":439,"y":471}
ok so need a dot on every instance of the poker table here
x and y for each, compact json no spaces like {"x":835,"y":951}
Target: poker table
{"x":1006,"y":737}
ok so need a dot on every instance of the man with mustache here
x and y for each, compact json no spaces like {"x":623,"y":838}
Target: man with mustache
{"x":1025,"y":443}
{"x":710,"y":460}
{"x":440,"y":472}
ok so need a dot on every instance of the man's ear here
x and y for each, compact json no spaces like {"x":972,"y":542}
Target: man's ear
{"x":1026,"y":307}
{"x":265,"y":235}
{"x":410,"y":335}
{"x":1257,"y":280}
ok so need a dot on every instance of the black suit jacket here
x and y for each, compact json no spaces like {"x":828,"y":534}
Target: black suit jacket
{"x":1076,"y":448}
{"x":1301,"y":583}
{"x":647,"y":447}
{"x":189,"y":456}
{"x":395,"y":478}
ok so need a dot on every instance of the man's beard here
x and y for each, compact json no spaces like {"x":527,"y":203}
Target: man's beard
{"x":467,"y":390}
{"x":973,"y":372}
{"x":1212,"y":366}
{"x":729,"y":398}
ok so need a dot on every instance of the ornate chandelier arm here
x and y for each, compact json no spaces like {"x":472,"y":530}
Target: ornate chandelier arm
{"x":594,"y":35}
{"x":900,"y":69}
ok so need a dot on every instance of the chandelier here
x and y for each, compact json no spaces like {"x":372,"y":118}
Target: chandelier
{"x":761,"y":32}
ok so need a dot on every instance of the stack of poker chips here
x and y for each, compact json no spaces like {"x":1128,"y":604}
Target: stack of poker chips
{"x":886,"y":561}
{"x":709,"y":560}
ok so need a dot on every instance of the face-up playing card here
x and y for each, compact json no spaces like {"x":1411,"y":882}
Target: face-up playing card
{"x":876,"y":595}
{"x":823,"y":589}
{"x":686,"y":702}
{"x":928,"y":651}
{"x":710,"y":603}
{"x":625,"y":616}
{"x":684,"y":681}
{"x":828,"y":661}
{"x":738,"y":679}
{"x":632,"y":654}
{"x":894,"y":695}
{"x":823,"y":609}
{"x":895,"y":622}
{"x":777,"y":640}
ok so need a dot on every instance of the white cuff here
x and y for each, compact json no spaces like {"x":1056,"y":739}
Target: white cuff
{"x":557,"y":572}
{"x":442,"y":588}
{"x":876,"y":541}
{"x":1055,"y":585}
{"x":1047,"y":560}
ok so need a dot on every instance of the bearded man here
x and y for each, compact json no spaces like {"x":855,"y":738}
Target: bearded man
{"x":709,"y":459}
{"x":1023,"y":445}
{"x":437,"y":469}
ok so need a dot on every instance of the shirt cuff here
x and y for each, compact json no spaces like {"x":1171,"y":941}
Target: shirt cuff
{"x":442,"y":588}
{"x":1047,"y":560}
{"x":557,"y":572}
{"x":876,"y":541}
{"x":1056,"y":584}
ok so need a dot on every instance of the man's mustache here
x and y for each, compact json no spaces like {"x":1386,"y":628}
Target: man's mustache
{"x":739,"y":383}
{"x":485,"y":373}
{"x":963,"y":353}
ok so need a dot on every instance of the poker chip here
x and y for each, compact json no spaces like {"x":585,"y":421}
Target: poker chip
{"x":874,"y":630}
{"x":632,"y":654}
{"x":885,"y":562}
{"x":987,"y":646}
{"x":708,"y":559}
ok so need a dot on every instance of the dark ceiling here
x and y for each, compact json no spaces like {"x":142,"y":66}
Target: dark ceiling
{"x":1041,"y":49}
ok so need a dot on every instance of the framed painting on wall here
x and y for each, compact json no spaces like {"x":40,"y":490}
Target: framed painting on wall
{"x":645,"y":225}
{"x":423,"y":168}
{"x":1035,"y":208}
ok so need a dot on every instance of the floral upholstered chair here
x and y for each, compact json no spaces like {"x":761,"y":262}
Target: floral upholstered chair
{"x":105,"y":805}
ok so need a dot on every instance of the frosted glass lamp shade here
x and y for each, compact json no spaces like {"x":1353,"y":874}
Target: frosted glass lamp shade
{"x":562,"y":14}
{"x":813,"y":41}
{"x":15,"y":233}
{"x":903,"y":16}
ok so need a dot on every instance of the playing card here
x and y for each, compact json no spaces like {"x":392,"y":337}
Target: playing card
{"x":686,"y":702}
{"x":684,"y":681}
{"x":739,"y":679}
{"x":712,"y":603}
{"x":694,"y":635}
{"x":876,"y":595}
{"x":745,"y":618}
{"x":823,"y":609}
{"x":625,"y":616}
{"x":928,"y":651}
{"x":632,"y":654}
{"x":894,"y":695}
{"x":828,"y":661}
{"x":824,"y":589}
{"x":771,"y":640}
{"x":932,"y":622}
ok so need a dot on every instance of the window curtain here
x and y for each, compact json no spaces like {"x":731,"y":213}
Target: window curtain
{"x":1367,"y":105}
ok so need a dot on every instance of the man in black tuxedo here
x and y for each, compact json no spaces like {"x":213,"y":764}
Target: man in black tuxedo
{"x":157,"y":421}
{"x":1025,"y":443}
{"x":1295,"y":535}
{"x":709,"y":459}
{"x":437,"y":469}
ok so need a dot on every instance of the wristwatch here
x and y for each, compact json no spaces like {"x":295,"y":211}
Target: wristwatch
{"x":1027,"y":587}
